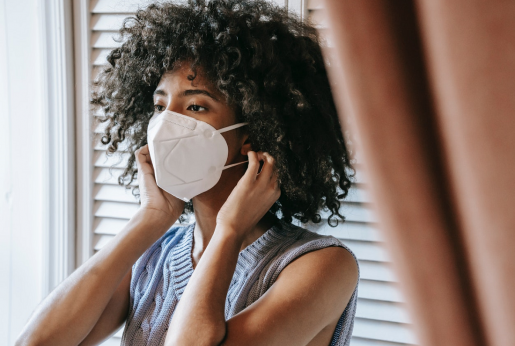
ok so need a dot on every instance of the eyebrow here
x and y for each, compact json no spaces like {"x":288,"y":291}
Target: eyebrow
{"x":188,"y":92}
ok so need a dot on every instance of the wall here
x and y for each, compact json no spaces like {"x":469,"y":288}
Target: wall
{"x":21,"y":167}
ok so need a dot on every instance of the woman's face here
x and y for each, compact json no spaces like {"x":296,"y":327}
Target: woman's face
{"x":200,"y":100}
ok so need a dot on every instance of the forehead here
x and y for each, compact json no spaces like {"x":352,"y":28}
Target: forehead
{"x":180,"y":78}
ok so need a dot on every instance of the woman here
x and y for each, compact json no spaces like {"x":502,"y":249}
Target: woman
{"x":242,"y":273}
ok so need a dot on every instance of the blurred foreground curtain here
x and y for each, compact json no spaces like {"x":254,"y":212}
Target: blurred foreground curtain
{"x":428,"y":89}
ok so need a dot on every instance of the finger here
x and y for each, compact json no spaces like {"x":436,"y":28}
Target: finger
{"x":260,"y":157}
{"x":253,"y":166}
{"x":146,"y":151}
{"x":136,"y":155}
{"x":143,"y":160}
{"x":268,"y":167}
{"x":138,"y":164}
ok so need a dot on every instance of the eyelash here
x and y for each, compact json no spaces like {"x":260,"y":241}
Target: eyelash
{"x":193,"y":104}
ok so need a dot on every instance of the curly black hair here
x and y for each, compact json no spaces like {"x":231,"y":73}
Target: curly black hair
{"x":266,"y":61}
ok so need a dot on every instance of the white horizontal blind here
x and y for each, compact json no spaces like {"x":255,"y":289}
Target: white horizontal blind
{"x":113,"y":205}
{"x":381,"y":316}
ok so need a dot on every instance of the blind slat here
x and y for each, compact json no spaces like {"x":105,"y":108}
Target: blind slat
{"x":103,"y":176}
{"x":384,"y":331}
{"x":122,"y":146}
{"x":382,"y":311}
{"x":117,"y":160}
{"x":115,"y":209}
{"x":377,"y":271}
{"x":377,"y":290}
{"x":116,"y":6}
{"x":99,"y":56}
{"x":357,"y":212}
{"x":368,"y":251}
{"x":348,"y":230}
{"x":107,"y":22}
{"x":104,"y":40}
{"x":113,"y":193}
{"x":358,"y":193}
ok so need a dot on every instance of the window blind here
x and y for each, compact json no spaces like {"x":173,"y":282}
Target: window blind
{"x":381,"y":318}
{"x":113,"y":205}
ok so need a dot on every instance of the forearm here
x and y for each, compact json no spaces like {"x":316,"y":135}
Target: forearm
{"x":70,"y":311}
{"x":199,"y":318}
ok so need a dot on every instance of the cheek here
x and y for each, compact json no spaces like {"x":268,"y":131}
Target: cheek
{"x":233,"y":142}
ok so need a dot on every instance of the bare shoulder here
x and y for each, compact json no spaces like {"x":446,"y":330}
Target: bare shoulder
{"x":332,"y":270}
{"x":303,"y":305}
{"x":334,"y":260}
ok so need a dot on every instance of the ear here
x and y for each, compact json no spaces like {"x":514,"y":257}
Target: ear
{"x":246,"y":147}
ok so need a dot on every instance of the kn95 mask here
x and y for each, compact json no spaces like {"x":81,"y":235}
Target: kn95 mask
{"x":188,"y":155}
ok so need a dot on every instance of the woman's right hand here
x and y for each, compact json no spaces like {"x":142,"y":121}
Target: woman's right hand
{"x":152,"y":196}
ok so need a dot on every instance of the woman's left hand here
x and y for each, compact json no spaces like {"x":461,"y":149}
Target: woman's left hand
{"x":252,"y":197}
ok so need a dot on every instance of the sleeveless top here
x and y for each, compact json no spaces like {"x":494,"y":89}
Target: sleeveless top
{"x":160,"y":275}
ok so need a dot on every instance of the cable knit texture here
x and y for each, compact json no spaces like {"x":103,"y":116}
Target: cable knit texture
{"x":161,"y":274}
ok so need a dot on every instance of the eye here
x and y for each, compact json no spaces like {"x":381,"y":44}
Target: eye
{"x":159,"y":108}
{"x":196,"y":108}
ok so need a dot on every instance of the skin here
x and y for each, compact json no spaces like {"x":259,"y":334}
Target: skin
{"x":301,"y":308}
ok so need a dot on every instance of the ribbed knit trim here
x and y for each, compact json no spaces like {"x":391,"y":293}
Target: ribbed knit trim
{"x":181,"y":264}
{"x":254,"y":253}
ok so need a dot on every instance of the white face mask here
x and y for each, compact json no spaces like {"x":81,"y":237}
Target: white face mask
{"x":188,"y":155}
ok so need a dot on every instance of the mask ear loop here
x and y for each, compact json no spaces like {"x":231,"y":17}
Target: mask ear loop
{"x":232,"y":127}
{"x":234,"y":164}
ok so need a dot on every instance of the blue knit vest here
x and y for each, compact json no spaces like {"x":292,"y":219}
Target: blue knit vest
{"x":161,"y":274}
